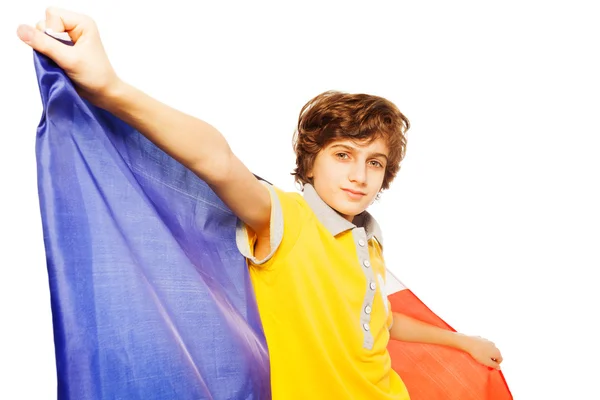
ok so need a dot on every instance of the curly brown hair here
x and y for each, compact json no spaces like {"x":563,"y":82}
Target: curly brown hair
{"x":334,"y":115}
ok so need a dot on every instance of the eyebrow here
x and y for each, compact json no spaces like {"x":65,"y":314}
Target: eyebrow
{"x":347,"y":147}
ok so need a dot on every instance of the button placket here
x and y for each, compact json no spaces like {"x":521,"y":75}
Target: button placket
{"x":362,"y":250}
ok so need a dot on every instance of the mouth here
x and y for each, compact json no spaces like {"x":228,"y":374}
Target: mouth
{"x":354,"y":194}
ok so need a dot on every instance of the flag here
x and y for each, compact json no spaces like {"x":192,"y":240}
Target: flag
{"x":438,"y":372}
{"x":150,"y":297}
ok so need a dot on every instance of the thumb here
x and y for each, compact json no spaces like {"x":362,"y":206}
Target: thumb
{"x":43,"y":43}
{"x":491,"y":363}
{"x":54,"y":21}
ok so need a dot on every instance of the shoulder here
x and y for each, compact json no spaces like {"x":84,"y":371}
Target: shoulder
{"x":286,"y":203}
{"x":289,"y":214}
{"x":293,"y":199}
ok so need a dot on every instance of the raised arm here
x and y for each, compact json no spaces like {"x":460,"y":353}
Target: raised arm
{"x":198,"y":146}
{"x":191,"y":141}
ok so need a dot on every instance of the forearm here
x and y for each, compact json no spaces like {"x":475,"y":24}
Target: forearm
{"x":191,"y":141}
{"x":408,"y":329}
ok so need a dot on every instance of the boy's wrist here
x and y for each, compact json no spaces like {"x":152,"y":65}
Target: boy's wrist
{"x":111,"y":95}
{"x":460,"y":341}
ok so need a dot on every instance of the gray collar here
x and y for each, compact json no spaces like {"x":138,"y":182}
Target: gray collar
{"x":337,"y":224}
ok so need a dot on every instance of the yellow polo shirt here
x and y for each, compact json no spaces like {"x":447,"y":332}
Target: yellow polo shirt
{"x":321,"y":299}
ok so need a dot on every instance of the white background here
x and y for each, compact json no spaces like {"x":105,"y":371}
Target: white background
{"x":493,"y":220}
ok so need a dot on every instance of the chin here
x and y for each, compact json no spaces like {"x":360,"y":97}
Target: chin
{"x":350,"y":209}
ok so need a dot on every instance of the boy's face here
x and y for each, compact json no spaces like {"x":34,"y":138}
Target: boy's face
{"x":347,"y":175}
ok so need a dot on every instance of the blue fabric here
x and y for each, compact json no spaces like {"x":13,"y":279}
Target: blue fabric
{"x":150,"y":297}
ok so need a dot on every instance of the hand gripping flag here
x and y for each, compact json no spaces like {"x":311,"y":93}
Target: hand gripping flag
{"x":150,"y":297}
{"x":437,"y":372}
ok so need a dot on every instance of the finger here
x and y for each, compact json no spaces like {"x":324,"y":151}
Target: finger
{"x":61,"y":20}
{"x":499,"y":358}
{"x":492,"y":363}
{"x":494,"y":353}
{"x":54,"y":19}
{"x":43,"y":43}
{"x":62,"y":36}
{"x":41,"y":25}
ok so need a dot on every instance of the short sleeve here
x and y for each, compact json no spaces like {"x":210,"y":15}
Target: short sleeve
{"x":245,"y":241}
{"x":286,"y":217}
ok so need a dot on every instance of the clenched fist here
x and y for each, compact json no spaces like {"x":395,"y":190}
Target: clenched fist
{"x":85,"y":62}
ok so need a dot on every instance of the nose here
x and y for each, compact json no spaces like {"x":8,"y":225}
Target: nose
{"x":358,"y":173}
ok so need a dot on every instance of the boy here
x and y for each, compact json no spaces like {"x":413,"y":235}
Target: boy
{"x":315,"y":260}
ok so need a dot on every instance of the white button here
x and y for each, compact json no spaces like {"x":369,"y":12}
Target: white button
{"x":361,"y":243}
{"x":368,"y":310}
{"x":366,"y":326}
{"x":373,"y":286}
{"x":366,"y":263}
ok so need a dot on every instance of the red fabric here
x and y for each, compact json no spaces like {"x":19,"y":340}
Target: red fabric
{"x":433,"y":372}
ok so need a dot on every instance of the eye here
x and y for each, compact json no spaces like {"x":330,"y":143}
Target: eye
{"x":342,"y":156}
{"x":376,"y":163}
